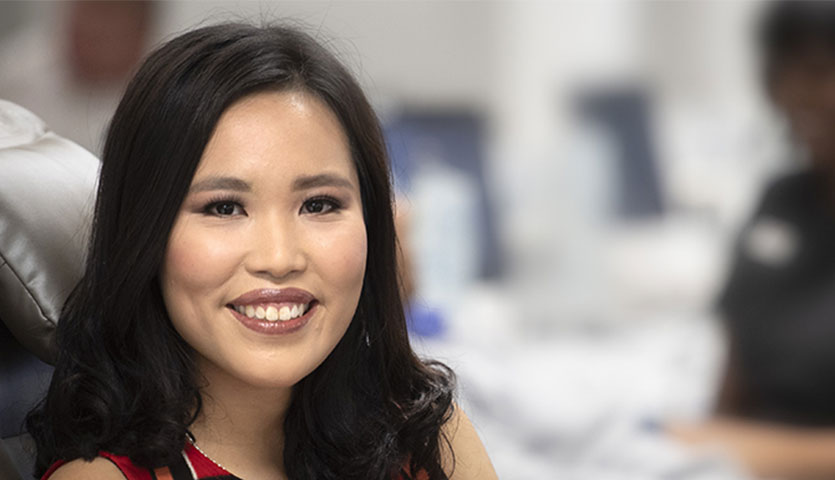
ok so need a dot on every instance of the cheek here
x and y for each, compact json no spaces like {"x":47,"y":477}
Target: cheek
{"x":196,"y":263}
{"x":341,"y":260}
{"x":348,"y":258}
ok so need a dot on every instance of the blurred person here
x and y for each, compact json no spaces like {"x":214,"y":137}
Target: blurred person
{"x":240,"y":314}
{"x":72,"y":76}
{"x":776,"y":406}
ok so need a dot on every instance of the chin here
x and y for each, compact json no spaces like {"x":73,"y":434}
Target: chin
{"x":271,"y":378}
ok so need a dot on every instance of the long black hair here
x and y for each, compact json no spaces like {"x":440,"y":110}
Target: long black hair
{"x":125,"y":381}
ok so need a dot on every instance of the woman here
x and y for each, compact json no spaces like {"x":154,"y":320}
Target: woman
{"x":239,"y":313}
{"x":776,"y":410}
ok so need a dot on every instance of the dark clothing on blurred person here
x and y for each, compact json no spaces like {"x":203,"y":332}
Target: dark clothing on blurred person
{"x":779,"y":306}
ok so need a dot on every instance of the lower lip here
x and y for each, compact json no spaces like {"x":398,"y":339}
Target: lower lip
{"x":277,"y":327}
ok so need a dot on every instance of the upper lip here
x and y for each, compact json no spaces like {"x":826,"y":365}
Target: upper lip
{"x":274,"y":295}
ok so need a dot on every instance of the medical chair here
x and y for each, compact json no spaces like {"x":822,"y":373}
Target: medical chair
{"x":47,"y":190}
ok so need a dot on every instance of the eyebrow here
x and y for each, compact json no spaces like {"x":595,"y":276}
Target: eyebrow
{"x":220,"y":183}
{"x":321,"y":180}
{"x":301,"y":183}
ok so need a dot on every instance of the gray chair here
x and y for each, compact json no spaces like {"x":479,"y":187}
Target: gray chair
{"x":47,"y":190}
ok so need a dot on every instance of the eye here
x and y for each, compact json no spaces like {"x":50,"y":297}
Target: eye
{"x":320,"y":205}
{"x":224,"y":208}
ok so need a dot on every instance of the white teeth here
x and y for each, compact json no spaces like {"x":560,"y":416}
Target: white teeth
{"x":272,"y":313}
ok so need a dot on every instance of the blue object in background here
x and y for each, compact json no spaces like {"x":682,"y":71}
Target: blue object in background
{"x":625,"y":114}
{"x":424,"y":321}
{"x":456,"y":138}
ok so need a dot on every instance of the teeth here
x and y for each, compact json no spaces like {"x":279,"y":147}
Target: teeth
{"x":272,"y":313}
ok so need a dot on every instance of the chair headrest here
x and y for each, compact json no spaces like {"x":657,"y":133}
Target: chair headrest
{"x":47,"y":192}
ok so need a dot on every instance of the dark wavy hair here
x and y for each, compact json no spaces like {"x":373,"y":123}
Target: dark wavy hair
{"x":125,"y":381}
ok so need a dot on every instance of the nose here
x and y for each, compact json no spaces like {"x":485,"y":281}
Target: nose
{"x":277,"y":251}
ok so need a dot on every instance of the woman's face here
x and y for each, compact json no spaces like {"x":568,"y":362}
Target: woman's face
{"x":265,"y":262}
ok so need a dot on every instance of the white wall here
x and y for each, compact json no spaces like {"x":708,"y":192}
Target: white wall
{"x":425,"y":54}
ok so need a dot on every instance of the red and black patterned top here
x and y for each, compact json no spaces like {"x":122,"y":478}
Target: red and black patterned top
{"x":192,"y":465}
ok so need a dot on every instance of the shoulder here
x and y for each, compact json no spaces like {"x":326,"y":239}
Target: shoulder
{"x":792,"y":181}
{"x":790,"y":189}
{"x":99,"y":468}
{"x":468,"y":458}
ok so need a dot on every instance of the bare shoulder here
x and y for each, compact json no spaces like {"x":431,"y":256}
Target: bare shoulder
{"x":99,"y":468}
{"x":469,"y":458}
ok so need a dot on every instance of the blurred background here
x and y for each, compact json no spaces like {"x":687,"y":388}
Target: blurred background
{"x":574,"y":182}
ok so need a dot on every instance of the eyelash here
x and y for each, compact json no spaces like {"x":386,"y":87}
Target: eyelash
{"x":335,"y":205}
{"x":209,"y":209}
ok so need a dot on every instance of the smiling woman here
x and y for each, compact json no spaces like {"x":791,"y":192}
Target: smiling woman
{"x":284,"y":255}
{"x":240,"y":309}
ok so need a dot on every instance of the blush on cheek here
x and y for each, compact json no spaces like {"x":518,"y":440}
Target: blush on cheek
{"x":198,"y":259}
{"x":183,"y":278}
{"x":355,"y":253}
{"x":177,"y":260}
{"x":173,"y":285}
{"x":347,"y":256}
{"x":344,"y":250}
{"x":177,"y":256}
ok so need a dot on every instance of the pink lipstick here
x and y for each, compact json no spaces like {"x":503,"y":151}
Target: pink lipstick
{"x":274,"y":311}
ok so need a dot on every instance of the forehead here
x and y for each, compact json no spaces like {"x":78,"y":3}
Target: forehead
{"x":276,"y":136}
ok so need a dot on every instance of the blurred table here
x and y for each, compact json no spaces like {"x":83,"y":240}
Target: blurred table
{"x":587,"y":403}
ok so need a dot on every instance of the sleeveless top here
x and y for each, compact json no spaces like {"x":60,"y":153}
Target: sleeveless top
{"x":192,"y":465}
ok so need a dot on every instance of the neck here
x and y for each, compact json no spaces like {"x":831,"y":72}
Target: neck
{"x":241,"y":426}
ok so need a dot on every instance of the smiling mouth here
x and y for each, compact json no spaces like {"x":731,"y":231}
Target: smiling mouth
{"x":273,"y":312}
